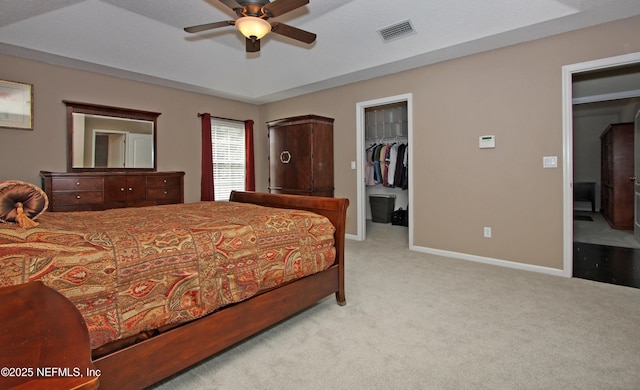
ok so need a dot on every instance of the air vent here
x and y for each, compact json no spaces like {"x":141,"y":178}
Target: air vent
{"x":396,"y":31}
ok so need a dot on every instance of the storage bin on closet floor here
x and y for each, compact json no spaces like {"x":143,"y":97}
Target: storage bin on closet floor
{"x":382,"y":207}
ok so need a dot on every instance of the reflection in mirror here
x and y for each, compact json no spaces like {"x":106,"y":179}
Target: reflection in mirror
{"x":107,"y":142}
{"x":110,"y":138}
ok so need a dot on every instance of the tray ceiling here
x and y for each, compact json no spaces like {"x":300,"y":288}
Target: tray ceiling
{"x":144,"y":39}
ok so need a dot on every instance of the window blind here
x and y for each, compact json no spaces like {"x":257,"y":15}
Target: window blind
{"x":228,"y":150}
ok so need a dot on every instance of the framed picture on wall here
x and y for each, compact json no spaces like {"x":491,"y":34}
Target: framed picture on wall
{"x":16,"y":105}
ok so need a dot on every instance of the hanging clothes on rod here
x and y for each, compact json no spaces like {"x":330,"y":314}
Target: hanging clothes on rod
{"x":386,"y":164}
{"x":369,"y":169}
{"x":401,"y":178}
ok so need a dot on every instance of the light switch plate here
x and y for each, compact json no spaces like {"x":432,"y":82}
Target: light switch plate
{"x":550,"y":161}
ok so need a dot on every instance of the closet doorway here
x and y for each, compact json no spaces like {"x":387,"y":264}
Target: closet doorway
{"x":395,"y":135}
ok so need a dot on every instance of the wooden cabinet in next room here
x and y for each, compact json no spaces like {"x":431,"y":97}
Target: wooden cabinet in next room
{"x":301,"y":156}
{"x":617,"y":175}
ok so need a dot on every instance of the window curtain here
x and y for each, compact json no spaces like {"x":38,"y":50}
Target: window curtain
{"x":206,"y":180}
{"x":250,"y":176}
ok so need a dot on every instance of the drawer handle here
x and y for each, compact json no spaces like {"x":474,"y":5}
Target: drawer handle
{"x":130,"y":189}
{"x":285,"y":157}
{"x":165,"y":181}
{"x":122,"y":189}
{"x":77,"y":183}
{"x":165,"y":192}
{"x":77,"y":196}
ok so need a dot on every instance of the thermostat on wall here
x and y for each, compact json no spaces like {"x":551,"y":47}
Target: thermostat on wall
{"x":487,"y":141}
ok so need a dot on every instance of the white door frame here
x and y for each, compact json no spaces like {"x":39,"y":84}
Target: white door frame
{"x":567,"y":142}
{"x":95,"y":133}
{"x":360,"y":141}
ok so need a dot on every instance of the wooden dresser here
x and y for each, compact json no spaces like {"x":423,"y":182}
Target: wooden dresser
{"x":301,"y":156}
{"x":616,"y":172}
{"x":85,"y":191}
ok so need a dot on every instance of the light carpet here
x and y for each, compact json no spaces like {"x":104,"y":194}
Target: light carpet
{"x":419,"y":321}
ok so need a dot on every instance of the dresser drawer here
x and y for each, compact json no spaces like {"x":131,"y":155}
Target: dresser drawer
{"x":77,"y":183}
{"x":77,"y":198}
{"x":172,"y":194}
{"x":163,"y":181}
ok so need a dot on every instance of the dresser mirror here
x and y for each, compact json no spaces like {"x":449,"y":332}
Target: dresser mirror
{"x":104,"y":138}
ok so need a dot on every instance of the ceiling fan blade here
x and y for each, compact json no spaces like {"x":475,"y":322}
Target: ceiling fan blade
{"x":233,"y":4}
{"x":293,"y":32}
{"x":280,"y":7}
{"x":209,"y":26}
{"x":253,"y":45}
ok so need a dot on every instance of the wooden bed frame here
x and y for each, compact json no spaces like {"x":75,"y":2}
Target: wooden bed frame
{"x":161,"y":356}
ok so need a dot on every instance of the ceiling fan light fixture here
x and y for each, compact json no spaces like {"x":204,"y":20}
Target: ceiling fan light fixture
{"x":251,"y":26}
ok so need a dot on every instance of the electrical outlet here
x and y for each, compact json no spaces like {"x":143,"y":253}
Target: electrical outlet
{"x":487,"y":232}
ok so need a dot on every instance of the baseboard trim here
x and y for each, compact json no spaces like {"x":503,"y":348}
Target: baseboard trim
{"x":480,"y":259}
{"x":489,"y":260}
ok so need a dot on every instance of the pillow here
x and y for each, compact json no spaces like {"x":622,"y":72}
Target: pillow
{"x":21,"y":202}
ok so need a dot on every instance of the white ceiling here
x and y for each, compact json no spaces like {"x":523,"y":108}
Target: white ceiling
{"x":144,"y":39}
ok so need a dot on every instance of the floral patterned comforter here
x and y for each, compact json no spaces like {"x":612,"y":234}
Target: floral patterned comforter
{"x":137,"y":269}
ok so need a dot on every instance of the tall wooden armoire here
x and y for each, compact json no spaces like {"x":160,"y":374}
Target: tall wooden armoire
{"x":617,"y":175}
{"x":301,"y":156}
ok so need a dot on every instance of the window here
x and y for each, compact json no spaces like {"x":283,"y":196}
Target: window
{"x":228,"y":148}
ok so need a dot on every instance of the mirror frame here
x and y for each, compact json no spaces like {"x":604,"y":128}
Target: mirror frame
{"x":108,"y":111}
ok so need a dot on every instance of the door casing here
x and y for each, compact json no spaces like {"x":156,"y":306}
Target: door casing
{"x":567,"y":140}
{"x":360,"y":145}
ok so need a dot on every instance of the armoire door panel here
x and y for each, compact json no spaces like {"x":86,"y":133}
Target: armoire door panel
{"x":299,"y":168}
{"x":323,"y":156}
{"x":277,"y":157}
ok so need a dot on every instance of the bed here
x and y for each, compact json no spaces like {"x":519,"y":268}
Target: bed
{"x":145,"y":326}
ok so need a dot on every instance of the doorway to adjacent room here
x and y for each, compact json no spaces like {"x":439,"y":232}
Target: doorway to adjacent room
{"x":595,"y":95}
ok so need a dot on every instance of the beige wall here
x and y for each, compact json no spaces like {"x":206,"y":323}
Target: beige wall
{"x":513,"y":93}
{"x":23,"y":154}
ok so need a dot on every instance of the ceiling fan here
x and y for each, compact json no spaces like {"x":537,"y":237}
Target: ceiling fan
{"x":253,"y":24}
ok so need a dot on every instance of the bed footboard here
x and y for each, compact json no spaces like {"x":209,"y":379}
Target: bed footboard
{"x":335,"y":209}
{"x":44,"y":341}
{"x":152,"y":360}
